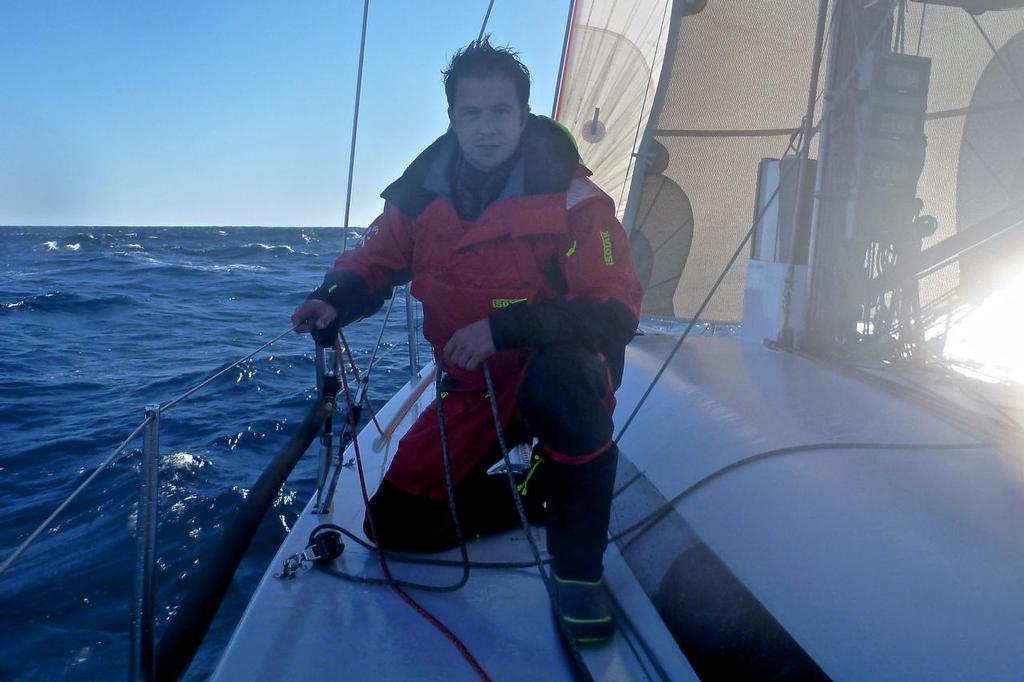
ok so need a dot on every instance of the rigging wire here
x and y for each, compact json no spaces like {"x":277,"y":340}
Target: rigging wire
{"x":376,"y":346}
{"x":561,"y":61}
{"x":355,"y":126}
{"x":848,"y":80}
{"x":804,"y":199}
{"x":999,"y":56}
{"x":920,"y":31}
{"x":706,"y":301}
{"x":487,"y":16}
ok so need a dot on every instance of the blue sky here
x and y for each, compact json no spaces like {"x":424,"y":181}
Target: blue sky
{"x":228,"y":112}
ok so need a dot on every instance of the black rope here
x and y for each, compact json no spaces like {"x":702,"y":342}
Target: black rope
{"x":406,"y":558}
{"x":465,"y":563}
{"x":577,"y":659}
{"x":644,"y":525}
{"x":622,"y":618}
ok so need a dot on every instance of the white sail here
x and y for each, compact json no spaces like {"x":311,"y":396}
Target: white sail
{"x":974,"y":167}
{"x":614,"y":56}
{"x":733,"y":90}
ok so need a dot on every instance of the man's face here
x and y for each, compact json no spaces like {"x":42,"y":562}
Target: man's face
{"x":487,"y":119}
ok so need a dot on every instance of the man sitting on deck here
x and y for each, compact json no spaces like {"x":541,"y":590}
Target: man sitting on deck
{"x":520,"y":263}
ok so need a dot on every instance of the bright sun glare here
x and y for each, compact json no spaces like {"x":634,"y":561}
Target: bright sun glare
{"x":992,"y":336}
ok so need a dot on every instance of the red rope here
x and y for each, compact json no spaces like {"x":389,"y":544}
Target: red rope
{"x":420,"y":609}
{"x":355,"y":371}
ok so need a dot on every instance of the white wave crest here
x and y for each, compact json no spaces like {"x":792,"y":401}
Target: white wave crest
{"x":243,"y":267}
{"x":184,"y":460}
{"x":270,"y":247}
{"x":73,"y":247}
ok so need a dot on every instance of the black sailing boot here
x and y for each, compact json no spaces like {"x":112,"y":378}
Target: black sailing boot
{"x":578,"y":513}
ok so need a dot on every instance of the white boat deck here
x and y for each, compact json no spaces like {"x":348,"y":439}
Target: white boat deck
{"x":899,"y":563}
{"x":904,"y":563}
{"x":366,"y":632}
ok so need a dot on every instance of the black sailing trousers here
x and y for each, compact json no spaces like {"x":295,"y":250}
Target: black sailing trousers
{"x":565,"y":399}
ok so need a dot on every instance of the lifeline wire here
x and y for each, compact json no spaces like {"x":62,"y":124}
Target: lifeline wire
{"x":71,"y":498}
{"x":200,"y":385}
{"x":114,"y":455}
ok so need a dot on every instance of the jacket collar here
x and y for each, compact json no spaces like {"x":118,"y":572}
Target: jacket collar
{"x":548,"y":162}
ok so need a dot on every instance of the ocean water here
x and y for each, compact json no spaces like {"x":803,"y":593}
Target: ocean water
{"x":94,"y":324}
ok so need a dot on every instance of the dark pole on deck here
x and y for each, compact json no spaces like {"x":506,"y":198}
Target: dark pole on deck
{"x":804,"y":190}
{"x":189,"y":625}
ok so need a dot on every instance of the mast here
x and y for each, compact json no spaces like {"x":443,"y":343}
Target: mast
{"x":837,"y":274}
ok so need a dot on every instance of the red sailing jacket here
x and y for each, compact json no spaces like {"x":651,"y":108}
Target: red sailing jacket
{"x":551,"y":235}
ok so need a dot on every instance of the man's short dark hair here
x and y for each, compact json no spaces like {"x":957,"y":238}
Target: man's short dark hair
{"x":480,"y":59}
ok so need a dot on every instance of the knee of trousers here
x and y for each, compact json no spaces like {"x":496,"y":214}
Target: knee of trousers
{"x":566,"y":399}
